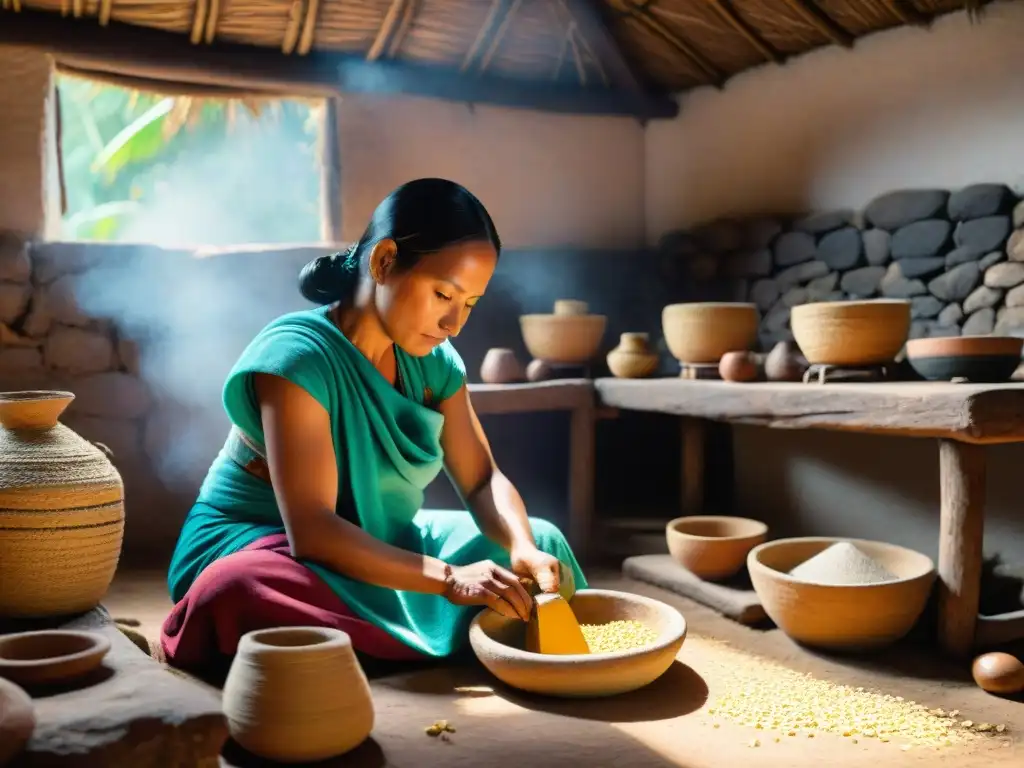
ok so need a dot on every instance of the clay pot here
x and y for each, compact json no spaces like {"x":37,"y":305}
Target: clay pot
{"x":499,"y":644}
{"x":568,"y":337}
{"x":297,"y":694}
{"x":841,"y":618}
{"x":633,"y":358}
{"x":500,"y":366}
{"x":713,"y":547}
{"x":785,"y":363}
{"x":17,"y":720}
{"x":738,"y":366}
{"x":701,"y":332}
{"x":851,"y":333}
{"x":61,"y":511}
{"x":538,"y":370}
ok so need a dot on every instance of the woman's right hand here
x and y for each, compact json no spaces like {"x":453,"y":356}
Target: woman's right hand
{"x":487,"y":583}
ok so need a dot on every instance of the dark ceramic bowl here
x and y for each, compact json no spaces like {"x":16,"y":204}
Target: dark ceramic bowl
{"x":983,"y":359}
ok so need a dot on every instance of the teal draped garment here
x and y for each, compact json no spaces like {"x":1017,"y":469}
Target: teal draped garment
{"x":388,"y":447}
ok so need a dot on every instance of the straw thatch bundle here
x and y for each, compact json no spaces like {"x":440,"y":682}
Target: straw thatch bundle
{"x":665,"y":45}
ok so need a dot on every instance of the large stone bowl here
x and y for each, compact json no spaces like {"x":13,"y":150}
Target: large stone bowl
{"x":841,"y":618}
{"x":499,"y":643}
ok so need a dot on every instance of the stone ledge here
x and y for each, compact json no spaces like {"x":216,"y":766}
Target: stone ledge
{"x":134,"y":712}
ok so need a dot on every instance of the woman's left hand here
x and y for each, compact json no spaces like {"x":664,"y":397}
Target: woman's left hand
{"x":539,"y":566}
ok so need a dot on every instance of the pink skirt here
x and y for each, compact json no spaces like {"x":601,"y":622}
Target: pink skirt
{"x":262,"y":587}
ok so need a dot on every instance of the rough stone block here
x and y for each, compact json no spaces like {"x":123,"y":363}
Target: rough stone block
{"x":978,"y":200}
{"x":927,"y":267}
{"x":820,"y":222}
{"x":876,"y":246}
{"x":1007,"y":274}
{"x":980,"y":323}
{"x":133,"y":712}
{"x":898,"y":208}
{"x":921,"y":239}
{"x":950,"y":315}
{"x":988,"y":260}
{"x":982,"y":297}
{"x":841,"y":249}
{"x":962,"y":255}
{"x":863,"y":282}
{"x":985,"y":234}
{"x":111,"y":394}
{"x":925,"y":307}
{"x":822,"y":287}
{"x":801,"y":273}
{"x":80,"y":351}
{"x":895,"y":285}
{"x":957,"y":284}
{"x":794,"y":248}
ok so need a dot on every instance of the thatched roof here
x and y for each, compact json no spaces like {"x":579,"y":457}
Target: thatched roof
{"x":615,"y":56}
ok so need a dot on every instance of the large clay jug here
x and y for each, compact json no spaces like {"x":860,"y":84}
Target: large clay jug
{"x":297,"y":694}
{"x":61,"y":511}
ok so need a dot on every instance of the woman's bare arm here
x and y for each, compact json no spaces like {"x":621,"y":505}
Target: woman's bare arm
{"x":303,"y":468}
{"x":490,"y":496}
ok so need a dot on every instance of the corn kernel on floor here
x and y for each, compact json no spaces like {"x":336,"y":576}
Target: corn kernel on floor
{"x":671,"y":722}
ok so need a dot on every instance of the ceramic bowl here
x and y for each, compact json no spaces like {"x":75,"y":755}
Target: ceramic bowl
{"x":569,"y":336}
{"x":842,"y":618}
{"x":703,"y":331}
{"x":851,"y":333}
{"x":51,"y":656}
{"x":713,"y":547}
{"x":498,"y":643}
{"x":974,"y":358}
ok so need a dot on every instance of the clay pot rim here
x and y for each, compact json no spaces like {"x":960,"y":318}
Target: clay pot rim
{"x":980,"y":345}
{"x":685,"y":305}
{"x":758,"y":527}
{"x":754,"y":562}
{"x":567,"y":319}
{"x":845,"y":308}
{"x":29,"y":395}
{"x":674,"y":633}
{"x":256,"y":641}
{"x":96,"y":645}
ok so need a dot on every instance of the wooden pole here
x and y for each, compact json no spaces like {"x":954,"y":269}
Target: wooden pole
{"x":692,"y":474}
{"x":962,"y":473}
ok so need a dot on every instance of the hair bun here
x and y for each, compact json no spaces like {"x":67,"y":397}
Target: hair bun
{"x":322,"y":281}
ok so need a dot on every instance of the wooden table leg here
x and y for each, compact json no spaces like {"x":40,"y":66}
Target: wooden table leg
{"x":581,"y":481}
{"x":962,"y":472}
{"x":691,"y":476}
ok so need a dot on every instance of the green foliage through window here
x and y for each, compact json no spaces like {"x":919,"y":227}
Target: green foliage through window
{"x":188,"y":172}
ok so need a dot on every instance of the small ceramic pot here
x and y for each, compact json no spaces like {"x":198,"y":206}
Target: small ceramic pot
{"x":500,"y":366}
{"x":297,"y":694}
{"x":633,"y":358}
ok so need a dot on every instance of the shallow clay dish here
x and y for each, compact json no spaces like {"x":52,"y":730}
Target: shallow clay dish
{"x":713,"y":547}
{"x":850,"y":618}
{"x":851,"y":333}
{"x":498,"y":643}
{"x":50,"y":656}
{"x":703,"y":331}
{"x":974,"y":358}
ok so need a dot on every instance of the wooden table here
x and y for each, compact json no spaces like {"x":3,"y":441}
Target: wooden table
{"x":577,"y":397}
{"x":964,"y":418}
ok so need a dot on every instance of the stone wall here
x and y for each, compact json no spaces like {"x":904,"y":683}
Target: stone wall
{"x":957,"y":255}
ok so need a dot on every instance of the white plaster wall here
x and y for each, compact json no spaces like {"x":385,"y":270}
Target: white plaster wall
{"x":548,"y":180}
{"x":905,"y":107}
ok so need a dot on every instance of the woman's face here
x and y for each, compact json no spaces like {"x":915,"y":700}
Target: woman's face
{"x":421,"y":307}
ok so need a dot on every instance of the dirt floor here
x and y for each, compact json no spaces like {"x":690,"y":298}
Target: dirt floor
{"x":677,"y":721}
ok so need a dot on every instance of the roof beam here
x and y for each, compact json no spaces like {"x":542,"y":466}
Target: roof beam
{"x":489,"y":37}
{"x":725,"y":9}
{"x":161,"y":55}
{"x":907,"y":13}
{"x":822,"y":22}
{"x":596,"y":36}
{"x":392,"y":29}
{"x":640,"y":13}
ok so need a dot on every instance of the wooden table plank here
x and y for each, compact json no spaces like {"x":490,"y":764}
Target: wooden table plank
{"x":553,"y":395}
{"x":973,"y":413}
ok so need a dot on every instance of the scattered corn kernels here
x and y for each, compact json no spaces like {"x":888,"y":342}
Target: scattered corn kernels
{"x":617,"y":636}
{"x":439,"y":728}
{"x":765,"y":695}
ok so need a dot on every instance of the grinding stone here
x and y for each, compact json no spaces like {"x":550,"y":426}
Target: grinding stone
{"x":735,"y":600}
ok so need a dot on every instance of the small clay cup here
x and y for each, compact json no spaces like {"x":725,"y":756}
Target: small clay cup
{"x":297,"y":694}
{"x":713,"y":547}
{"x":500,"y":366}
{"x":633,"y":357}
{"x":51,"y":656}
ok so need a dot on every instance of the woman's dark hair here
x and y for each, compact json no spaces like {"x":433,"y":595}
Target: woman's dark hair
{"x":422,"y":217}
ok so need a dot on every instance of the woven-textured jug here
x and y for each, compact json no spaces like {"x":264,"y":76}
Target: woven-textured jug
{"x":61,"y":511}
